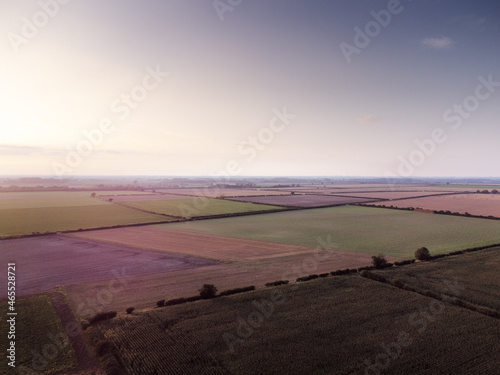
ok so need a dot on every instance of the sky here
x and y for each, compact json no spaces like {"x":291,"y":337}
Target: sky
{"x":250,"y":88}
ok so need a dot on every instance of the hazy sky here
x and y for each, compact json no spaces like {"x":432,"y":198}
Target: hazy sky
{"x":250,"y":87}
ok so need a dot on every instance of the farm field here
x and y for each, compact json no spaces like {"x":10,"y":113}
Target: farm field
{"x":302,"y":200}
{"x":218,"y":192}
{"x":475,"y":272}
{"x":47,"y":199}
{"x":141,"y":197}
{"x":197,"y":206}
{"x":363,"y":190}
{"x":337,"y":325}
{"x":142,"y":292}
{"x":359,"y":229}
{"x":162,"y":238}
{"x":50,"y":261}
{"x":471,"y":186}
{"x":24,"y":221}
{"x":394,"y":194}
{"x":36,"y":323}
{"x":475,"y":204}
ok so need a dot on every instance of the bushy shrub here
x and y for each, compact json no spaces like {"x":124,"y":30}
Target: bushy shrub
{"x":379,"y":261}
{"x":276,"y":283}
{"x":366,"y":268}
{"x":160,"y":303}
{"x":102,"y":316}
{"x":193,"y":298}
{"x":237,"y":290}
{"x":323,"y":274}
{"x":404,"y":262}
{"x":208,"y":291}
{"x":422,"y":254}
{"x":130,"y":310}
{"x":175,"y":301}
{"x":307,"y":278}
{"x":437,"y":256}
{"x":457,"y":252}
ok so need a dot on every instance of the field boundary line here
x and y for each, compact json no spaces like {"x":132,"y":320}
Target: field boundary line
{"x":434,"y":212}
{"x":459,"y":302}
{"x":145,"y":211}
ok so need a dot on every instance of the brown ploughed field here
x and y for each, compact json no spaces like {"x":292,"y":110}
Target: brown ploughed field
{"x":393,"y":194}
{"x":196,"y":244}
{"x":474,"y":204}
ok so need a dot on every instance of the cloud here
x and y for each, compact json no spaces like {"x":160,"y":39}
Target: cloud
{"x":28,"y":150}
{"x":367,"y":120}
{"x":438,"y":43}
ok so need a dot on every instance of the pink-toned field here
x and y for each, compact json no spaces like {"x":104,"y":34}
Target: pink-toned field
{"x":45,"y":262}
{"x":394,"y":194}
{"x":474,"y":204}
{"x":217,"y":192}
{"x":303,"y":200}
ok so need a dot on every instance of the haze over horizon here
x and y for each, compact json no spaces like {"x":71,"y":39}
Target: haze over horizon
{"x":250,"y":88}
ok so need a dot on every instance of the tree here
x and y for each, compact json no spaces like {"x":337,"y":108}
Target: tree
{"x":494,"y":191}
{"x":422,"y":254}
{"x":92,"y":195}
{"x":379,"y":261}
{"x":208,"y":291}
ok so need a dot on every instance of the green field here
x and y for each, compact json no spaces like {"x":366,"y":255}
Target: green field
{"x":364,"y":229}
{"x":337,"y":325}
{"x":476,"y":272}
{"x":54,"y":219}
{"x":54,"y":199}
{"x":198,"y":206}
{"x":36,"y":323}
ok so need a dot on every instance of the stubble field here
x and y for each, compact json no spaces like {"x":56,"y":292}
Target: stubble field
{"x":474,"y":204}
